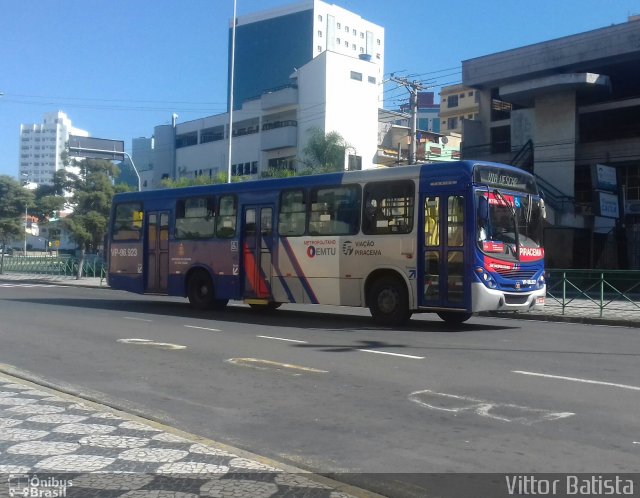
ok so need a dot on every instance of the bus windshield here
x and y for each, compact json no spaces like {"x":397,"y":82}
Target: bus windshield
{"x":511,"y":229}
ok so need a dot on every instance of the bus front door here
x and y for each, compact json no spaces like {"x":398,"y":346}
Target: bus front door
{"x":157,"y":252}
{"x":442,"y":281}
{"x":257,"y":243}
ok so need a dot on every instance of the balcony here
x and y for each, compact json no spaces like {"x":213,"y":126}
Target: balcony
{"x":279,"y":135}
{"x":283,"y":97}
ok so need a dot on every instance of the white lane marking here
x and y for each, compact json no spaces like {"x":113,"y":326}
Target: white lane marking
{"x":280,"y":339}
{"x":575,"y":379}
{"x":393,"y":354}
{"x":137,"y":319}
{"x":503,"y":412}
{"x":636,"y":442}
{"x":273,"y":365}
{"x":147,"y":342}
{"x":202,"y":328}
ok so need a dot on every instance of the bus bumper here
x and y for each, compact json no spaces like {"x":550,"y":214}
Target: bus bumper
{"x":485,"y":299}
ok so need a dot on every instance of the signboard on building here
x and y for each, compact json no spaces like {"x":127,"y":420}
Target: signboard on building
{"x":606,"y":205}
{"x":604,"y":178}
{"x":96,"y":148}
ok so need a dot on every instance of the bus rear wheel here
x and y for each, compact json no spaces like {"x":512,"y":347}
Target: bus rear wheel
{"x":454,"y":317}
{"x":389,"y":301}
{"x":200,"y":291}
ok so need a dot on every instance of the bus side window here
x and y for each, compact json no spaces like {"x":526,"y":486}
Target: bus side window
{"x":292,"y":218}
{"x":432,"y":221}
{"x":195,"y":218}
{"x":335,"y":210}
{"x":227,"y":212}
{"x":388,"y":207}
{"x":127,"y":223}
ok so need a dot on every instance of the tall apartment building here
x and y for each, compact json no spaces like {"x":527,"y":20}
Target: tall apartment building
{"x":272,"y":44}
{"x":41,"y":145}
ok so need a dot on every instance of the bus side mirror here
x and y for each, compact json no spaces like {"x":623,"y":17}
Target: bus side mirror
{"x":483,"y":209}
{"x":543,"y":209}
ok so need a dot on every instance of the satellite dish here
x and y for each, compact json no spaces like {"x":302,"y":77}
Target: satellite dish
{"x":444,"y":140}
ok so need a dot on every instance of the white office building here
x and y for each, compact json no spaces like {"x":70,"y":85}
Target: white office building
{"x":307,"y":66}
{"x":41,"y":145}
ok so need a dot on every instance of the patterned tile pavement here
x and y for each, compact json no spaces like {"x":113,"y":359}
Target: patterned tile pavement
{"x":52,"y":444}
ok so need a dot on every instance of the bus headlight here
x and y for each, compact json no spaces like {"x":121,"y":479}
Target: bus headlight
{"x":541,"y":281}
{"x":485,"y":278}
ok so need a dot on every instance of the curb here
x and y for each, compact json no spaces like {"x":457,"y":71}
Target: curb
{"x":582,"y":320}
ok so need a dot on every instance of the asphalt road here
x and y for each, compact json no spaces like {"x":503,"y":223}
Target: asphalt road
{"x":326,"y":389}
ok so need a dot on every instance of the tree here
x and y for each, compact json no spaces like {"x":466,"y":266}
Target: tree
{"x":324,"y":153}
{"x":190,"y":182}
{"x":91,"y":192}
{"x":14,"y":200}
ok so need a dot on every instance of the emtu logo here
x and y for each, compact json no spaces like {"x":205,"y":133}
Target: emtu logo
{"x":347,"y":248}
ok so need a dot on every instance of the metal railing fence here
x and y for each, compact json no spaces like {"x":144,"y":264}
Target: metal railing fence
{"x":63,"y":266}
{"x":605,"y":290}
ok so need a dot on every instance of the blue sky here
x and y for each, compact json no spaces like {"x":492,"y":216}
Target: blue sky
{"x":120,"y":67}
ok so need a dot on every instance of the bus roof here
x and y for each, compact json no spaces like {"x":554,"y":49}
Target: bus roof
{"x":463,"y":169}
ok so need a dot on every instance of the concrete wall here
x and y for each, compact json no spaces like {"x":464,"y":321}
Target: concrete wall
{"x":556,"y":137}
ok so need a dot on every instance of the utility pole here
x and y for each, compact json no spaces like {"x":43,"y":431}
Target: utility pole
{"x":413,"y":87}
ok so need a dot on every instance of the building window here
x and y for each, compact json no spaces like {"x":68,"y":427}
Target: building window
{"x":462,"y":95}
{"x":319,"y":34}
{"x":187,"y":139}
{"x":320,"y":17}
{"x":452,"y":101}
{"x":470,"y":94}
{"x":346,"y":43}
{"x":319,"y":48}
{"x":338,"y":41}
{"x":372,"y":79}
{"x":353,"y":46}
{"x":500,"y":139}
{"x":361,"y":34}
{"x":362,"y":50}
{"x":452,"y":123}
{"x":377,"y":56}
{"x":378,"y":41}
{"x":356,"y":76}
{"x":355,"y":32}
{"x":338,"y":25}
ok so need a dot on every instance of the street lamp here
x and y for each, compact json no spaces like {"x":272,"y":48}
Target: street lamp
{"x":26,"y":214}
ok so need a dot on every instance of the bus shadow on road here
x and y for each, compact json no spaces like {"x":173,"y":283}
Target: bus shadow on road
{"x":310,"y":318}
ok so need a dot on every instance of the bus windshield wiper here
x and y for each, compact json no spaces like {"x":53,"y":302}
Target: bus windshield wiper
{"x":512,"y":208}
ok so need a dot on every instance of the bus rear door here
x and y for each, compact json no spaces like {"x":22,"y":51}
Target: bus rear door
{"x":442,"y":282}
{"x":257,"y":245}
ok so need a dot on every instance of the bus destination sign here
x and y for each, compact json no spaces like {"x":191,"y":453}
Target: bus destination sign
{"x":503,"y":178}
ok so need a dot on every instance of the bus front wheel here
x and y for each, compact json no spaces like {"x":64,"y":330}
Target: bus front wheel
{"x":454,"y":317}
{"x":389,"y":302}
{"x":200,"y":291}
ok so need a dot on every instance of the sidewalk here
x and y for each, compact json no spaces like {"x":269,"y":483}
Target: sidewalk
{"x":56,"y":444}
{"x":616,"y":313}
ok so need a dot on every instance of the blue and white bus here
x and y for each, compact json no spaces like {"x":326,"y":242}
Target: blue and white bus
{"x":451,"y":238}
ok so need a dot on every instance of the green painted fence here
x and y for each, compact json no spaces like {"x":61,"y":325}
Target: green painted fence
{"x":608,"y":290}
{"x":64,"y":266}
